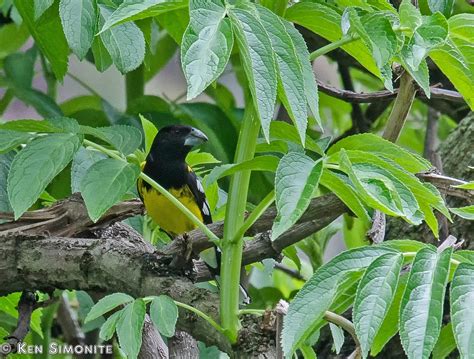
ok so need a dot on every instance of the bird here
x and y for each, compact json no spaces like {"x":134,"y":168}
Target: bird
{"x":166,"y":164}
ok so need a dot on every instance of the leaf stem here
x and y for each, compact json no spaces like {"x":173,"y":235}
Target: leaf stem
{"x":344,"y":323}
{"x":333,"y":46}
{"x":232,"y":246}
{"x":212,"y":237}
{"x":202,"y":315}
{"x":251,"y":311}
{"x":256,"y":213}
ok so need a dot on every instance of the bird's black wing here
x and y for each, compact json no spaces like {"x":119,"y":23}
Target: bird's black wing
{"x":198,"y":191}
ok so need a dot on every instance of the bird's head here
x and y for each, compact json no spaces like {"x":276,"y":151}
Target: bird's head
{"x":176,"y":141}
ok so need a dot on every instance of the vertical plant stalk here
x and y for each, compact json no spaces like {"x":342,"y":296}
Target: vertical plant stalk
{"x":135,"y":84}
{"x":401,"y":108}
{"x":231,"y":245}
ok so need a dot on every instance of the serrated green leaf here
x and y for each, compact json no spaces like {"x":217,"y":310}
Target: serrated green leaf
{"x":11,"y":139}
{"x":130,"y":326}
{"x":430,"y":34}
{"x":389,"y":325}
{"x":456,"y":57}
{"x":446,"y":342}
{"x":78,"y":18}
{"x":374,"y":296}
{"x":36,"y":165}
{"x":258,"y":62}
{"x":30,"y":126}
{"x":131,"y":10}
{"x":48,"y":34}
{"x":308,"y":307}
{"x":373,"y":143}
{"x":296,"y":178}
{"x":6,"y":160}
{"x":105,"y":184}
{"x":41,"y":6}
{"x":107,"y":329}
{"x":342,"y":188}
{"x":164,"y":314}
{"x":431,"y":6}
{"x":376,"y":191}
{"x":150,"y":131}
{"x":125,"y":139}
{"x":410,"y":16}
{"x":462,"y":310}
{"x":376,"y":32}
{"x":325,"y":21}
{"x":464,"y":212}
{"x":280,"y":130}
{"x":207,"y":44}
{"x":259,"y":163}
{"x":125,"y":43}
{"x":290,"y":71}
{"x":421,"y":310}
{"x":81,"y":163}
{"x":106,"y":304}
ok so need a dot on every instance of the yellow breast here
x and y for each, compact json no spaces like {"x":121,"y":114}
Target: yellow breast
{"x":165,"y":213}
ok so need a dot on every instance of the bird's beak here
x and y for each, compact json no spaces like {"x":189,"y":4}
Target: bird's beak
{"x":195,"y":138}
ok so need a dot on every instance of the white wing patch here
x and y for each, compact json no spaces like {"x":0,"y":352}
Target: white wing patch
{"x":205,"y":208}
{"x":199,"y":186}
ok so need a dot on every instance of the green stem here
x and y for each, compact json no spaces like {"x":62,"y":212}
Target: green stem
{"x":51,"y":82}
{"x":201,"y":314}
{"x":135,"y":84}
{"x":212,"y":237}
{"x":231,"y":245}
{"x":333,"y":46}
{"x":256,"y":213}
{"x":251,"y":311}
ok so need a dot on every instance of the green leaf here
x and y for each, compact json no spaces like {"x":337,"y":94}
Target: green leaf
{"x":36,"y":165}
{"x":105,"y":184}
{"x":174,"y":22}
{"x":131,"y":10}
{"x":107,"y":329}
{"x":5,"y":163}
{"x":41,"y":6}
{"x":469,"y":185}
{"x":376,"y":32}
{"x":130,"y":326}
{"x":404,"y":245}
{"x":462,"y":310}
{"x":259,"y":163}
{"x":81,"y":163}
{"x":106,"y":304}
{"x":289,"y":69}
{"x":78,"y":18}
{"x":342,"y":188}
{"x":12,"y":37}
{"x":430,"y":34}
{"x":464,"y":212}
{"x":19,"y":68}
{"x":325,"y":21}
{"x":150,"y":132}
{"x":308,"y":352}
{"x":30,"y":126}
{"x":373,"y":143}
{"x":421,"y":311}
{"x":102,"y":59}
{"x":374,"y":297}
{"x":410,"y":16}
{"x":308,"y":307}
{"x":446,"y":342}
{"x":259,"y":63}
{"x":12,"y":139}
{"x":432,"y":6}
{"x":456,"y":57}
{"x":390,"y":326}
{"x":124,"y":138}
{"x":280,"y":130}
{"x":207,"y":44}
{"x":296,"y":178}
{"x":125,"y":43}
{"x":42,"y":103}
{"x":48,"y":35}
{"x":337,"y":337}
{"x":164,"y":314}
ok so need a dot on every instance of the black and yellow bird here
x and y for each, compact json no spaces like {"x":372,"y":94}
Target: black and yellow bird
{"x":166,"y":164}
